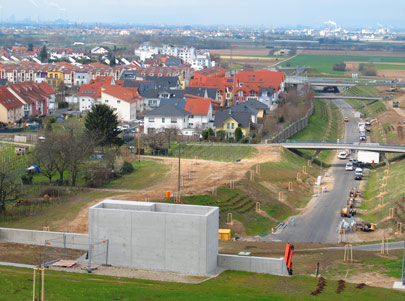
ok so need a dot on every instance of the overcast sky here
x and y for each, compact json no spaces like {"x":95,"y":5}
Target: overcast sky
{"x":275,"y":13}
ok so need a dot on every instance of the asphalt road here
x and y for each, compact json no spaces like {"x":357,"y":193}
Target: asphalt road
{"x":319,"y":224}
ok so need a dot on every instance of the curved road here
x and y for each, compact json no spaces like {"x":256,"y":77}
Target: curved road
{"x":319,"y":224}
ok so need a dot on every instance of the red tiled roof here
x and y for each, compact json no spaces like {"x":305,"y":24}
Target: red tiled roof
{"x":198,"y":106}
{"x":127,"y":94}
{"x":90,"y":90}
{"x":28,"y":92}
{"x":102,"y":80}
{"x":46,"y":88}
{"x":8,"y":100}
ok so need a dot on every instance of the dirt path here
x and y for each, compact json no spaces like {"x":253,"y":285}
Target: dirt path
{"x":200,"y":177}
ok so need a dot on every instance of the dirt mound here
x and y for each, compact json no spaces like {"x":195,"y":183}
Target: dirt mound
{"x":199,"y":176}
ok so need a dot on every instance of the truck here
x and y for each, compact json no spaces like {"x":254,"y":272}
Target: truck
{"x":362,"y":125}
{"x":368,"y":157}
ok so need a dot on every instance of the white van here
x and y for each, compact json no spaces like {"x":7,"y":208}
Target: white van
{"x":349,"y":166}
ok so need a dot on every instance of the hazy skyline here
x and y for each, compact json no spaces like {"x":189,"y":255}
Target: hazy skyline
{"x":358,"y":13}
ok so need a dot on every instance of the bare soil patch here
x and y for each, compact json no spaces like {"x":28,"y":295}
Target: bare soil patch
{"x":241,"y":51}
{"x":200,"y":177}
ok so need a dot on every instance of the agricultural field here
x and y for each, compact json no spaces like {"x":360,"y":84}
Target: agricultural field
{"x":223,"y":153}
{"x":324,"y":63}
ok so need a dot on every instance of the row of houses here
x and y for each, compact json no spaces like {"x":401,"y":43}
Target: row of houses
{"x":70,"y":75}
{"x":24,"y":100}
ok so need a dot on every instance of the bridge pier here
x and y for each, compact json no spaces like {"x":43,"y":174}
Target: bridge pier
{"x":384,"y":157}
{"x":317,"y":152}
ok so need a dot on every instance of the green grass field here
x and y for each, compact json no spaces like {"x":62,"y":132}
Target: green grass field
{"x":324,"y":63}
{"x":16,"y":284}
{"x":316,"y":130}
{"x":361,"y":91}
{"x":389,"y":67}
{"x":224,"y":153}
{"x":146,"y":172}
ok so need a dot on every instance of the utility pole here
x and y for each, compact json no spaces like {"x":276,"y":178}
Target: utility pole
{"x":403,"y":261}
{"x":139,"y":143}
{"x":178,"y":179}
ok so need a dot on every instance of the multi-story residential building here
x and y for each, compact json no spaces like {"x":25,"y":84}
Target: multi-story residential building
{"x":125,"y":101}
{"x":11,"y":109}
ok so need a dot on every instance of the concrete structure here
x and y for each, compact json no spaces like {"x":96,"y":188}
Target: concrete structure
{"x":275,"y":266}
{"x":318,"y":146}
{"x":157,"y":236}
{"x":36,"y":237}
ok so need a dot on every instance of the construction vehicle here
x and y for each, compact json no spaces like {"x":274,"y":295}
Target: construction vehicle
{"x":393,"y":87}
{"x":395,"y":104}
{"x":366,"y":227}
{"x":347,"y":212}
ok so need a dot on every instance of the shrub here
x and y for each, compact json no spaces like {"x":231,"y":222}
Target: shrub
{"x":26,"y":179}
{"x":127,"y":168}
{"x":339,"y":67}
{"x":63,"y":104}
{"x":231,"y":140}
{"x":368,"y":69}
{"x":220,"y":135}
{"x":281,"y":119}
{"x":238,"y":134}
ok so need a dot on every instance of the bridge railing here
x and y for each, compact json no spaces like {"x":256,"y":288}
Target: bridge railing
{"x":343,"y":143}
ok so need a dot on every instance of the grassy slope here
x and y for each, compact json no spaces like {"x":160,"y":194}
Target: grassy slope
{"x":226,"y":153}
{"x":274,"y":177}
{"x":318,"y":123}
{"x":361,"y":91}
{"x":394,"y":186}
{"x":146,"y":172}
{"x":230,"y":285}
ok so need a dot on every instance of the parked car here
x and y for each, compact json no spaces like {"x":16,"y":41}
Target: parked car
{"x":349,"y":166}
{"x":358,"y":177}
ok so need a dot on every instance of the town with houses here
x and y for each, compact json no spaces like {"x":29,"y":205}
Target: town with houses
{"x":145,"y":156}
{"x":165,"y":87}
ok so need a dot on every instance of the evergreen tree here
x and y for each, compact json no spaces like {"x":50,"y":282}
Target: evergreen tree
{"x":43,"y":54}
{"x":101,"y":124}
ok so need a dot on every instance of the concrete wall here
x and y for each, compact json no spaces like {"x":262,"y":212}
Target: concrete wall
{"x":34,"y":237}
{"x":265,"y":265}
{"x":157,"y":236}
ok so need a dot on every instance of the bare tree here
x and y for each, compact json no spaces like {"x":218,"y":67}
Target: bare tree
{"x":78,"y":151}
{"x":171,"y":133}
{"x":9,"y":185}
{"x":153,"y":140}
{"x":45,"y":159}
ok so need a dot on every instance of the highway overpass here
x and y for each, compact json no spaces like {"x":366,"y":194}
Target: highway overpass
{"x":319,"y":146}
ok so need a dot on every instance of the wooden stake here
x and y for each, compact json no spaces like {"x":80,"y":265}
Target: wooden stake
{"x":229,"y":219}
{"x":257,"y":206}
{"x":304,"y":170}
{"x":290,"y":186}
{"x":252,"y":176}
{"x":280,"y":196}
{"x":309,"y":163}
{"x":258,"y":169}
{"x":298,"y":176}
{"x":348,"y":251}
